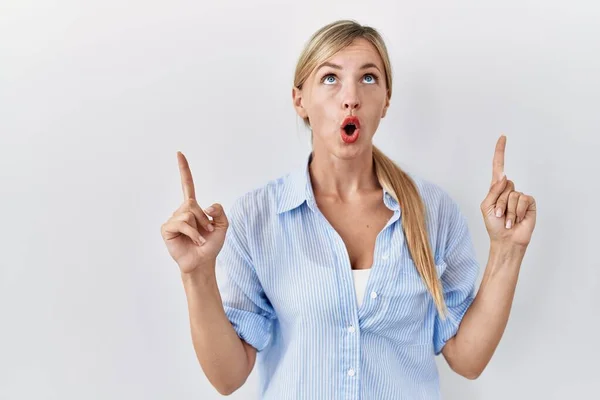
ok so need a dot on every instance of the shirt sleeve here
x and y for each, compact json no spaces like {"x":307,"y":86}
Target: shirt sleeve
{"x":460,"y":270}
{"x":245,"y":303}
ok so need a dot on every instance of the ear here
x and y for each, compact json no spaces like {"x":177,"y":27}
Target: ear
{"x":297,"y":99}
{"x":385,"y":107}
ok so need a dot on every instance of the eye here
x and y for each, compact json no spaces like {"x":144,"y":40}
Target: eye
{"x":370,"y":78}
{"x":328,"y":79}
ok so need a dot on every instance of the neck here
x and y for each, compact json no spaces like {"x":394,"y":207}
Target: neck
{"x":343,"y":180}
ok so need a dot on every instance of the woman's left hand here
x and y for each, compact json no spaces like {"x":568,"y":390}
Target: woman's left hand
{"x":509,"y":215}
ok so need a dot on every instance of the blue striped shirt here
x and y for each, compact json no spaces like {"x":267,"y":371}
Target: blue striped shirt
{"x":287,"y":288}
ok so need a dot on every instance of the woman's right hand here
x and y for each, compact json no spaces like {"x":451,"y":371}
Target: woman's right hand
{"x":194,"y":240}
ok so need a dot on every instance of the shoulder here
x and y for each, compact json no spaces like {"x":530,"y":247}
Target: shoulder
{"x":261,"y":202}
{"x":444,"y":217}
{"x":437,"y":199}
{"x":446,"y":224}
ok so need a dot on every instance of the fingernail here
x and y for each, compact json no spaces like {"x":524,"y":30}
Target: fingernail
{"x":498,"y":212}
{"x":210,"y":210}
{"x":210,"y":228}
{"x":201,"y":240}
{"x":508,"y":224}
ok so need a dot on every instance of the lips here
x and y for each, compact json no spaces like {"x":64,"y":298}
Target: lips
{"x":350,"y":129}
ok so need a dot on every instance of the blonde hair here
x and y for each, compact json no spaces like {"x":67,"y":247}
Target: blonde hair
{"x":326,"y":42}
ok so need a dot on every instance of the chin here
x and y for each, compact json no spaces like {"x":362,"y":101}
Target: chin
{"x":349,"y":151}
{"x":335,"y":145}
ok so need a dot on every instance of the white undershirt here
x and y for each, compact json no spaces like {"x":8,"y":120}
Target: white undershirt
{"x":360,"y":277}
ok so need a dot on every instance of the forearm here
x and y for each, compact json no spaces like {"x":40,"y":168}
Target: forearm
{"x":220,"y":351}
{"x":484,"y":322}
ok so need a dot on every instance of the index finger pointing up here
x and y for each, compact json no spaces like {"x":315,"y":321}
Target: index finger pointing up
{"x":498,"y":164}
{"x":187,"y":183}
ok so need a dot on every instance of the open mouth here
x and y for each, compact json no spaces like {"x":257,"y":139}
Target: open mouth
{"x":350,"y":129}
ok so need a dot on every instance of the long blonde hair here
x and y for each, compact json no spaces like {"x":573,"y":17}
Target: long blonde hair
{"x":326,"y":42}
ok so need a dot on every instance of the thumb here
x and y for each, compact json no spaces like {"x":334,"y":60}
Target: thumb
{"x":495,"y":191}
{"x":217,"y":213}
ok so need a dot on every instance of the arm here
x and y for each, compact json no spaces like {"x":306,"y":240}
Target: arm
{"x":227,"y":326}
{"x":510,"y":218}
{"x":482,"y":327}
{"x":225,"y":359}
{"x":231,"y":317}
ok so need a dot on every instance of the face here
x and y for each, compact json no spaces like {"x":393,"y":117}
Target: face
{"x":351,"y":83}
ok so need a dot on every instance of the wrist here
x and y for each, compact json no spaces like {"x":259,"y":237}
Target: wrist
{"x":200,"y":276}
{"x":502,"y":251}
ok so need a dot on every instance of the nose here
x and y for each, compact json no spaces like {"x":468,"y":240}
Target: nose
{"x":351,"y":105}
{"x":350,"y":98}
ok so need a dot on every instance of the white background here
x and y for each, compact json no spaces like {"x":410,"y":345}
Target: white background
{"x":96,"y":97}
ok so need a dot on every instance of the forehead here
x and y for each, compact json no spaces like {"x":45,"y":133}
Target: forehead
{"x":356,"y":54}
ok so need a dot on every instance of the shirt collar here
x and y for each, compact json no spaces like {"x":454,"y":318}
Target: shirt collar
{"x":298,"y":189}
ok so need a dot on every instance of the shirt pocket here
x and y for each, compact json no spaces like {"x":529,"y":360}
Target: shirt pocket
{"x":407,"y":308}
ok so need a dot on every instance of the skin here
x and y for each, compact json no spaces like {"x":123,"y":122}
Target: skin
{"x":194,"y":237}
{"x":329,"y":95}
{"x":510,"y":218}
{"x":344,"y":182}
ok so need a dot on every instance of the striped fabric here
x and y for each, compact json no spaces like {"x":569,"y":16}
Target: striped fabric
{"x":287,"y":288}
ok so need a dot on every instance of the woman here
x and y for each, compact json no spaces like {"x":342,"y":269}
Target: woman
{"x":299,"y":252}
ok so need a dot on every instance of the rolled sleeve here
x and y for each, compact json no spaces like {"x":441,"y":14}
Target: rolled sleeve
{"x":460,"y":270}
{"x":245,"y":303}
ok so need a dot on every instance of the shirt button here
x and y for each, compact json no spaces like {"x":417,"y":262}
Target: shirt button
{"x":351,"y":329}
{"x":351,"y":372}
{"x":373,"y":295}
{"x":385,"y":257}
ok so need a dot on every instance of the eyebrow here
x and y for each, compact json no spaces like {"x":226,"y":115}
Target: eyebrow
{"x":335,"y":66}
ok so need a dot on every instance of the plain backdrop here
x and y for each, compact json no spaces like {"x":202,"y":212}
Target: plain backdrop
{"x":97,"y":97}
